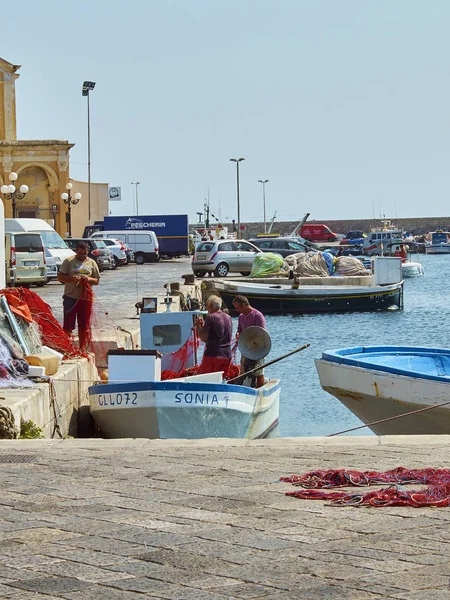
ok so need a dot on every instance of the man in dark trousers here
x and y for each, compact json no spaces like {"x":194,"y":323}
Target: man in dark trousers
{"x":79,"y":273}
{"x":248,"y":317}
{"x":216,"y":331}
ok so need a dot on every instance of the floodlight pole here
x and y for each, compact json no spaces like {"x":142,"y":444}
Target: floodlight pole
{"x":89,"y":159}
{"x":136,"y":183}
{"x":88,"y":86}
{"x":264,"y":200}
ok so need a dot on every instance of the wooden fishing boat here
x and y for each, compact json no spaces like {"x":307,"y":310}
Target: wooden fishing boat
{"x":380,"y":291}
{"x":385,"y":382}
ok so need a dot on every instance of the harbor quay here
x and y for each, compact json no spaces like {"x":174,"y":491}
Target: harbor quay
{"x":209,"y":520}
{"x":62,"y":409}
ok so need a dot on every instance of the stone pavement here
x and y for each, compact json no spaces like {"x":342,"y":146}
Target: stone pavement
{"x":208,"y":520}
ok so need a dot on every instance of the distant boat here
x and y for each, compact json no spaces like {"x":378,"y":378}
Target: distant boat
{"x":381,"y":382}
{"x":380,"y":238}
{"x":439,"y":243}
{"x":412,"y":268}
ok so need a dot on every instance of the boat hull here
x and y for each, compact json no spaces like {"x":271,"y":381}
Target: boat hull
{"x":186,"y":410}
{"x":316,"y":300}
{"x":437,"y":249}
{"x":375,"y":395}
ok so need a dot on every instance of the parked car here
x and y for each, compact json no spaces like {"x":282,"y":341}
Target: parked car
{"x":25,"y":259}
{"x":98,"y":251}
{"x":284,"y":246}
{"x":222,"y":257}
{"x":52,"y":267}
{"x":129,"y":252}
{"x":50,"y":238}
{"x":117,"y":248}
{"x":144,"y":243}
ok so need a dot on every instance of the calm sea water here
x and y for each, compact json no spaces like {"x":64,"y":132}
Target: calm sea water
{"x":307,"y":410}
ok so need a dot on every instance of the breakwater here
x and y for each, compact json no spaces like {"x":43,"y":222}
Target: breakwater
{"x":415,"y":225}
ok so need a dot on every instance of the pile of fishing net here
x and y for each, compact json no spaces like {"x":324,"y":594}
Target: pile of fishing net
{"x":268,"y":264}
{"x":437,"y":492}
{"x":311,"y":264}
{"x":27,"y":306}
{"x":349,"y":266}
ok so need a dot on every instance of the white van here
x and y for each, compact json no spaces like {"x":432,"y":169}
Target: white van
{"x":25,"y":259}
{"x":53,"y":242}
{"x":144,"y":244}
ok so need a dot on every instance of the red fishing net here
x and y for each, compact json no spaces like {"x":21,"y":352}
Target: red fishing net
{"x":436,"y":494}
{"x":194,"y":347}
{"x":53,"y":335}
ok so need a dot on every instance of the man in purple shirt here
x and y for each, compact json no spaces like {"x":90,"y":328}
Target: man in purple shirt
{"x":248,"y":317}
{"x":216,"y":330}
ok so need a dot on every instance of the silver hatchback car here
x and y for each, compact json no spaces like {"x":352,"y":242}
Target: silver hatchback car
{"x":221,"y":257}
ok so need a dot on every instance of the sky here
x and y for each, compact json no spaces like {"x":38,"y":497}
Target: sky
{"x":344,"y":106}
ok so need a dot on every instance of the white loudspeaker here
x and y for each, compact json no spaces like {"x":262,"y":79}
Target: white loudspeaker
{"x":254,"y":343}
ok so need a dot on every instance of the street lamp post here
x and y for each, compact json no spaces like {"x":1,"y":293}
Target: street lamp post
{"x":68,"y":200}
{"x":88,"y":86}
{"x":264,"y":181}
{"x":10,"y":192}
{"x":136,"y":183}
{"x":54,"y":211}
{"x":237,"y":161}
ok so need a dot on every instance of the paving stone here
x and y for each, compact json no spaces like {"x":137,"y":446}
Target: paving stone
{"x":51,"y":585}
{"x":100,"y":592}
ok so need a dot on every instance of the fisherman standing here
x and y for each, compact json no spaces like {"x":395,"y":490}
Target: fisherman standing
{"x":79,"y":273}
{"x":216,"y":330}
{"x":249,"y":317}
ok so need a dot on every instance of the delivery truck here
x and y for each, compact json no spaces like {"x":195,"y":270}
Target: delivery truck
{"x":171,"y":230}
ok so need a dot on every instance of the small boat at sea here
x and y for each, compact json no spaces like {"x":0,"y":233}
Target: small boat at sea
{"x":381,"y":290}
{"x":411,"y":268}
{"x":138,"y":402}
{"x":439,"y":244}
{"x":383,"y":383}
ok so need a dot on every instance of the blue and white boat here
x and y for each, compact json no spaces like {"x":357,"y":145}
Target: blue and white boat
{"x":385,"y":382}
{"x":137,"y":403}
{"x":439,"y":244}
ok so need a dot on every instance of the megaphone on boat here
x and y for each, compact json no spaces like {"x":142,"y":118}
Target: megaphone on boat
{"x":254,"y":343}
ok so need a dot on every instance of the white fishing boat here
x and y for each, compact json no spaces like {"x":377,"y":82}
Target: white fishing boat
{"x":381,"y":290}
{"x":439,"y":244}
{"x":380,"y":238}
{"x":136,"y":402}
{"x":380,"y":384}
{"x":411,"y":268}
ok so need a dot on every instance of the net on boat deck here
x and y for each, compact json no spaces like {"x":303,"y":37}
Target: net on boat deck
{"x":437,"y":492}
{"x":194,"y":347}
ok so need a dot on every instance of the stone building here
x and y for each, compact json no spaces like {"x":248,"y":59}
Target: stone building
{"x":42,"y":165}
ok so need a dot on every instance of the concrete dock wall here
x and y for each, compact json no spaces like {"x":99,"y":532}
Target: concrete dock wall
{"x":58,"y":408}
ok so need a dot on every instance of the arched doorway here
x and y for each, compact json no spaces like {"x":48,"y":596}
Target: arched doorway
{"x":37,"y":202}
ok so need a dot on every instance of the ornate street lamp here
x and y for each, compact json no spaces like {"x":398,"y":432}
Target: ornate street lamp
{"x":68,"y":200}
{"x":10,"y":192}
{"x":237,"y":161}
